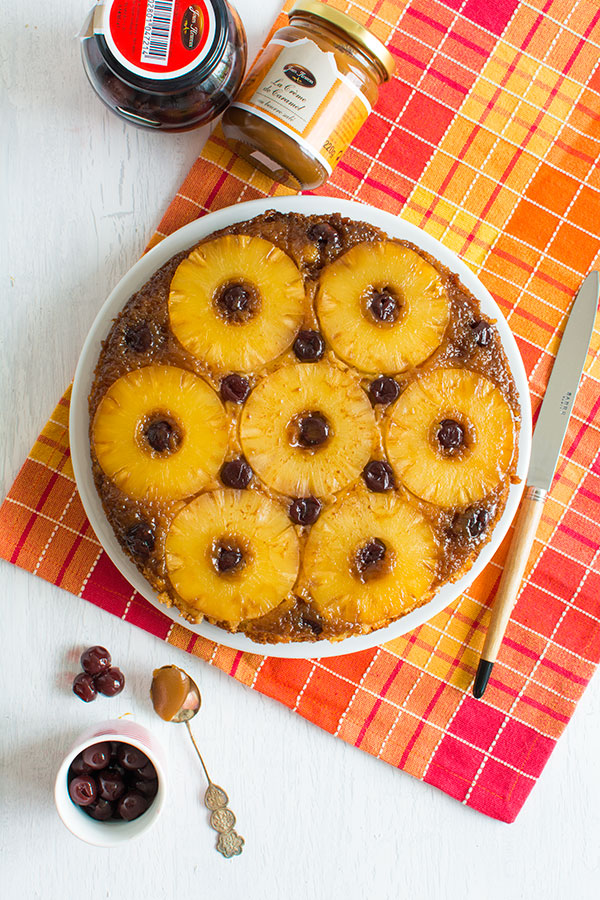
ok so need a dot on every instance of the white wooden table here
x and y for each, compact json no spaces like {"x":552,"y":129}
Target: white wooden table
{"x":81,"y":193}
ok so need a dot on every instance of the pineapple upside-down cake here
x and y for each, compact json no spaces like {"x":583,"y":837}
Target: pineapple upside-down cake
{"x":301,"y":429}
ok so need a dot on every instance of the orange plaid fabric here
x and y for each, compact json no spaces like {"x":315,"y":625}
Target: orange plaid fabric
{"x":487,"y":138}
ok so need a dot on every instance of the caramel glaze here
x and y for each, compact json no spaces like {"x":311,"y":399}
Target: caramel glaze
{"x":295,"y":619}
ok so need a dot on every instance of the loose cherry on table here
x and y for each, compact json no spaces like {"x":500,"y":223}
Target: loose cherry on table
{"x":98,"y":676}
{"x":84,"y":687}
{"x":112,"y":781}
{"x":95,"y":660}
{"x":111,"y":682}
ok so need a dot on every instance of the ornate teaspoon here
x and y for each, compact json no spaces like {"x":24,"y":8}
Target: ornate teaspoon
{"x":176,"y":698}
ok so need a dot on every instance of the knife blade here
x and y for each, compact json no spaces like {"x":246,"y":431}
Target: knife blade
{"x":547,"y":442}
{"x":559,"y":398}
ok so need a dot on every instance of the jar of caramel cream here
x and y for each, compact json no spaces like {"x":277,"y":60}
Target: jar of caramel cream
{"x":307,"y":95}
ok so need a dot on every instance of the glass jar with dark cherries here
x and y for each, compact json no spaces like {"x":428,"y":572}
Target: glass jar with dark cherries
{"x":165,"y":64}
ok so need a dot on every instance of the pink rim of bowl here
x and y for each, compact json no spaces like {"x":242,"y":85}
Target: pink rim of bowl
{"x":110,"y":834}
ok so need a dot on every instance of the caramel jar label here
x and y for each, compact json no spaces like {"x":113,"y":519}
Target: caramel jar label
{"x":158,"y":38}
{"x":298,"y":88}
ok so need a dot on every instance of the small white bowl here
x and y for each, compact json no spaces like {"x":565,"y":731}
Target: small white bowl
{"x":110,"y":833}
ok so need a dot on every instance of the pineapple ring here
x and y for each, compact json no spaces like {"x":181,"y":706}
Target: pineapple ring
{"x":251,"y":521}
{"x":466,"y":477}
{"x":381,"y":347}
{"x":329,"y":574}
{"x":130,"y":463}
{"x":284,"y":396}
{"x":266,"y":332}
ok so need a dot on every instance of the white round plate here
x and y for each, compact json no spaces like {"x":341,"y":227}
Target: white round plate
{"x":185,"y":238}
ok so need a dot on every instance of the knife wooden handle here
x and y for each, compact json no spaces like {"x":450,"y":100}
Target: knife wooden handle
{"x":526,"y":525}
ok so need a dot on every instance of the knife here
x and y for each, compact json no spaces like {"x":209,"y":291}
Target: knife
{"x":548,"y":437}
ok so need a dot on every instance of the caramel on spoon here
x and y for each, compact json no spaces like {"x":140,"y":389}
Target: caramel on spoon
{"x":176,"y":698}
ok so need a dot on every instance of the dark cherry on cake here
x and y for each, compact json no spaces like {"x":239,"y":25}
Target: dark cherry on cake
{"x":112,"y":781}
{"x":325,"y":236}
{"x":236,"y":474}
{"x":313,"y":430}
{"x":378,"y":476}
{"x":470,"y":524}
{"x":140,"y":540}
{"x":227,"y":557}
{"x":162,"y":436}
{"x":451,"y":436}
{"x":305,"y":510}
{"x":234,"y":388}
{"x":370,"y":554}
{"x":138,"y":337}
{"x":309,"y":346}
{"x":236,"y":303}
{"x":482,"y":332}
{"x":384,"y":307}
{"x":384,"y":390}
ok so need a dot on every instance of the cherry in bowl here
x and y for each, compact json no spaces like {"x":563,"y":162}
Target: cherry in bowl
{"x":112,"y":781}
{"x":108,"y":819}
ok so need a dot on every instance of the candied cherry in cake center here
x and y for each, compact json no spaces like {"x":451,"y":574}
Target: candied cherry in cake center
{"x":372,"y":559}
{"x":236,"y":301}
{"x":227,"y":556}
{"x":384,"y":305}
{"x":162,"y":434}
{"x":311,"y":429}
{"x":451,"y":436}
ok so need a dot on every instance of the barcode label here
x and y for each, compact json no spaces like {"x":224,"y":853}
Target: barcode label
{"x":157,"y":32}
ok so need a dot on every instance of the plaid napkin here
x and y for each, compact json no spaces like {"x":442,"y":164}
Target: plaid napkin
{"x":487,"y":139}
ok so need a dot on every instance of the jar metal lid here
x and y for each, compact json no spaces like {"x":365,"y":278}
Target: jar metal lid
{"x":351,"y":27}
{"x":151,"y":82}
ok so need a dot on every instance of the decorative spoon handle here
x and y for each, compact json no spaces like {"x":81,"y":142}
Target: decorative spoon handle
{"x":222,"y":820}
